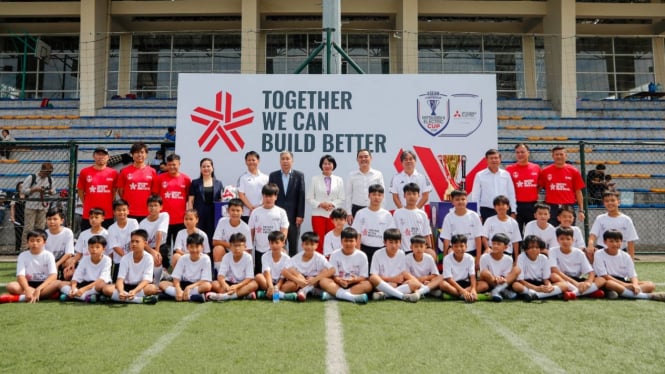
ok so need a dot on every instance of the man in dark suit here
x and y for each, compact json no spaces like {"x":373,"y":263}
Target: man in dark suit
{"x":291,"y":196}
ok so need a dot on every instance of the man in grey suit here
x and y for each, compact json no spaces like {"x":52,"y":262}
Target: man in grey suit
{"x":291,"y":196}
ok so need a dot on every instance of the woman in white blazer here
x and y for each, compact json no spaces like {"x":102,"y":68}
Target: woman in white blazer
{"x":325,"y":193}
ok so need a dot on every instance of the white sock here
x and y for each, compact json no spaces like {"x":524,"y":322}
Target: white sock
{"x":423,"y":290}
{"x":157,"y":275}
{"x":65,"y":290}
{"x":593,"y":288}
{"x":281,"y":295}
{"x":21,"y":298}
{"x":232,"y":296}
{"x":115,"y":296}
{"x":544,"y":295}
{"x":573,"y":289}
{"x":194,"y":291}
{"x":307,"y":289}
{"x":389,"y":290}
{"x":499,"y":288}
{"x":631,"y":295}
{"x":86,"y":294}
{"x":170,"y":291}
{"x":404,"y":288}
{"x":344,"y":295}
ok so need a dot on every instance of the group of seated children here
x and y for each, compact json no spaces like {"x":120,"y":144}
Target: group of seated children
{"x":551,"y":262}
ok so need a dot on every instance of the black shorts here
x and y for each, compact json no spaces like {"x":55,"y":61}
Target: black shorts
{"x":620,"y":278}
{"x":464,"y":283}
{"x":82,"y":284}
{"x":185,"y":284}
{"x":34,"y":284}
{"x":535,"y":282}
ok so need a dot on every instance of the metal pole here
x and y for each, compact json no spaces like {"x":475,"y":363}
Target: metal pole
{"x":328,"y":50}
{"x":585,"y":208}
{"x":309,"y":59}
{"x":348,"y":59}
{"x":24,"y":65}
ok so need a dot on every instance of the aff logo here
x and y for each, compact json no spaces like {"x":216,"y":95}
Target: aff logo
{"x":222,"y":123}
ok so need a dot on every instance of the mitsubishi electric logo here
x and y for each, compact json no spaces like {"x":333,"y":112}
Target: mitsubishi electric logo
{"x":222,"y":123}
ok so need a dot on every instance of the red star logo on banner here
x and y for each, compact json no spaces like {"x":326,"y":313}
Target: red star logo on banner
{"x":222,"y":123}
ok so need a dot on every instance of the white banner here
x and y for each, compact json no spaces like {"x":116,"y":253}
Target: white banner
{"x":449,"y":120}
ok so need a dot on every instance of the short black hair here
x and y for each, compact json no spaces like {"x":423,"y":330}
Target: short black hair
{"x":349,"y":233}
{"x":310,"y":236}
{"x":140,"y":232}
{"x":392,"y":234}
{"x":96,"y":212}
{"x":120,"y":202}
{"x":529,"y":240}
{"x":612,"y":234}
{"x":501,"y":199}
{"x":565,"y":231}
{"x":97,"y":239}
{"x":411,"y":187}
{"x":537,"y":206}
{"x":456,"y":193}
{"x":270,"y":189}
{"x":376,"y":188}
{"x":154,"y":198}
{"x":252,"y":153}
{"x":172,"y":157}
{"x":275,"y":236}
{"x":338,"y":213}
{"x":235,"y":202}
{"x":138,"y":146}
{"x":237,"y":237}
{"x":34,"y":233}
{"x":55,"y":212}
{"x":195,"y":239}
{"x":328,"y":158}
{"x":501,"y":238}
{"x":418,"y":239}
{"x":458,"y":238}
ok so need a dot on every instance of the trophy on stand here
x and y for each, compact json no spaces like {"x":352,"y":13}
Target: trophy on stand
{"x":433,"y":102}
{"x":453,"y":166}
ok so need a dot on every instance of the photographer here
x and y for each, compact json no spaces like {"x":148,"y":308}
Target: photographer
{"x":37,"y":188}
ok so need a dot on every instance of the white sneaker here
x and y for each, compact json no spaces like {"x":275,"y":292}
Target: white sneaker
{"x":214,"y":296}
{"x":378,"y":295}
{"x":411,"y":297}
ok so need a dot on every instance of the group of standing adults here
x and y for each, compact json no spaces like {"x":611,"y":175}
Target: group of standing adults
{"x":522,"y":181}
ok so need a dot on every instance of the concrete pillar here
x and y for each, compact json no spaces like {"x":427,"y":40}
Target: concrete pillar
{"x":406,"y":38}
{"x":530,"y":72}
{"x":658,"y":44}
{"x":559,"y":28}
{"x":124,"y":64}
{"x":94,"y":54}
{"x":249,"y":62}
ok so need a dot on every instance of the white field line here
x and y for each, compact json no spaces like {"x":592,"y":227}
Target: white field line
{"x":547,"y":365}
{"x":164,"y":341}
{"x":660,"y":284}
{"x":335,"y":359}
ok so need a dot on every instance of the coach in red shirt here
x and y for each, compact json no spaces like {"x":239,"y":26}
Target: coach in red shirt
{"x":525,"y":179}
{"x":563,"y":185}
{"x":96,"y":187}
{"x":173,"y":187}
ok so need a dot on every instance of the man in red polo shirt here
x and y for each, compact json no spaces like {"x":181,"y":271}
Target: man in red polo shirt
{"x":173,"y":187}
{"x":135,"y":182}
{"x":525,"y":179}
{"x":96,"y":187}
{"x":563,"y":185}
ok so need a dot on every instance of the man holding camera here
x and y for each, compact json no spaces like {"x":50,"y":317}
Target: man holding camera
{"x":37,"y":189}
